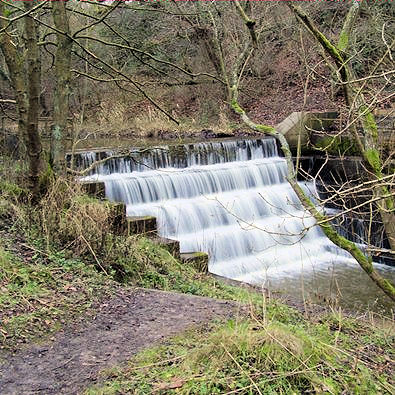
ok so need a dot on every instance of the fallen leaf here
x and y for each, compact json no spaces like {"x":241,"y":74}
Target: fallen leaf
{"x":175,"y":383}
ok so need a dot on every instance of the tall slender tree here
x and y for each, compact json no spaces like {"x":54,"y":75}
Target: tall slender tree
{"x":24,"y":68}
{"x":360,"y":110}
{"x":62,"y":84}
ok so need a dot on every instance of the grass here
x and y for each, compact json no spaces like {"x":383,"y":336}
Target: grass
{"x":147,"y":265}
{"x":266,"y":355}
{"x":38,"y":297}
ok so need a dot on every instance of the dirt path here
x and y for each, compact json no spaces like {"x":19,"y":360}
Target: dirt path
{"x":129,"y":322}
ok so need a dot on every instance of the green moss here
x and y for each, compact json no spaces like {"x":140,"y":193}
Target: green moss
{"x":265,"y":128}
{"x":373,"y":158}
{"x":343,"y":41}
{"x":199,"y":254}
{"x":235,"y":106}
{"x":330,"y":47}
{"x":369,"y":123}
{"x":337,"y":145}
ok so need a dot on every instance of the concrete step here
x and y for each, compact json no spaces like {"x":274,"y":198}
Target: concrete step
{"x":173,"y":246}
{"x":145,"y":225}
{"x":95,"y":189}
{"x":199,"y":260}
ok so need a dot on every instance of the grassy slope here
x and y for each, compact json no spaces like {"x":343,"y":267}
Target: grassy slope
{"x":275,"y":350}
{"x":38,"y":297}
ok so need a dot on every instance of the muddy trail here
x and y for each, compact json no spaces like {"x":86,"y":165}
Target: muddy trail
{"x":130,"y":321}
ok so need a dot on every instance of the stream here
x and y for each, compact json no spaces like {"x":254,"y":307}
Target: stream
{"x":230,"y":198}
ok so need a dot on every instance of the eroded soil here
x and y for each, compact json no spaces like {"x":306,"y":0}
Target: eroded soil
{"x":131,"y":320}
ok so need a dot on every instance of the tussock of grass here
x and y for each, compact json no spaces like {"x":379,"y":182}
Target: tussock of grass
{"x":257,"y":356}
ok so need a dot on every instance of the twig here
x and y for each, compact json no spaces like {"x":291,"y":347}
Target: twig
{"x":94,"y":255}
{"x":34,"y":249}
{"x":241,"y":368}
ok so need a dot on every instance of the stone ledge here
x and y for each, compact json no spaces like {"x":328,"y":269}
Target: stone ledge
{"x":118,"y":218}
{"x":294,"y":126}
{"x":141,"y":225}
{"x":173,"y":246}
{"x":199,"y":260}
{"x":95,"y":189}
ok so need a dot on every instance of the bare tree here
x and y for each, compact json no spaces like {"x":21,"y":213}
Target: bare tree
{"x":360,"y":110}
{"x":62,"y":87}
{"x":322,"y":220}
{"x":24,"y":68}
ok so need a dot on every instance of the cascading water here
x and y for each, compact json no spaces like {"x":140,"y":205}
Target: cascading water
{"x":179,"y":156}
{"x":230,"y":199}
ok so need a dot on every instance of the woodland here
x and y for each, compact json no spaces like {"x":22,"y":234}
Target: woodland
{"x":97,"y":309}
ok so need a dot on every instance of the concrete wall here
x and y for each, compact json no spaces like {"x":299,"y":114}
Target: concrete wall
{"x":298,"y":125}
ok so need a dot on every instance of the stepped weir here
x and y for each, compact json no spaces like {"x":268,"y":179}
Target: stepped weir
{"x":229,"y":199}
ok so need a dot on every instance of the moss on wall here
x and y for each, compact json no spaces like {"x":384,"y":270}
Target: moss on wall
{"x":337,"y":145}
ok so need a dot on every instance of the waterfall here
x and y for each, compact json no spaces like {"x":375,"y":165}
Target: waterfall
{"x":178,"y":156}
{"x":229,"y":199}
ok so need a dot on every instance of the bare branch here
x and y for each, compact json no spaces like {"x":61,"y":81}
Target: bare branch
{"x":8,"y":101}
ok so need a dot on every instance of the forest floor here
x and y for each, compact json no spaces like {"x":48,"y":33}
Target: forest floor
{"x":121,"y":326}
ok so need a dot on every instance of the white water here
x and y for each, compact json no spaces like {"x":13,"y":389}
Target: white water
{"x":229,"y":199}
{"x":179,"y":156}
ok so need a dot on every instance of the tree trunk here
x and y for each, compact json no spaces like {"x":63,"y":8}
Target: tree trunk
{"x":62,"y":87}
{"x":355,"y":101}
{"x":26,"y":84}
{"x":322,"y":221}
{"x":33,"y":140}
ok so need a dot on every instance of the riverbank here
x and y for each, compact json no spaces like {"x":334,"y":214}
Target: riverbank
{"x":88,"y":331}
{"x":78,"y":298}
